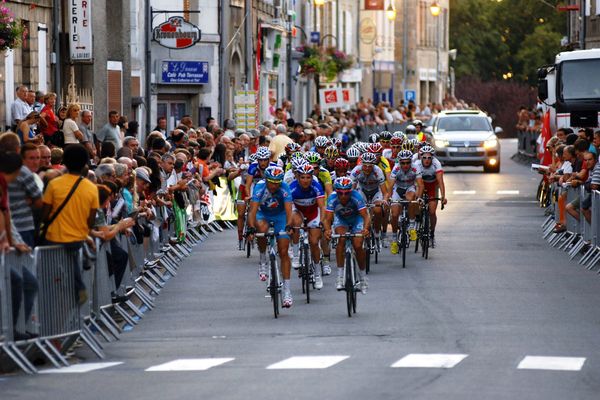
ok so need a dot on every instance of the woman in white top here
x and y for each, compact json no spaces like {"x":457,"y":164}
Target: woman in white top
{"x":70,"y":129}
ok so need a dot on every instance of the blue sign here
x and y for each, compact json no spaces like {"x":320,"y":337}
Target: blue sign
{"x":184,"y":72}
{"x":315,"y":37}
{"x":410,"y":95}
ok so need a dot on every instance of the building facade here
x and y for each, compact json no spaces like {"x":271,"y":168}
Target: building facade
{"x":583,"y":24}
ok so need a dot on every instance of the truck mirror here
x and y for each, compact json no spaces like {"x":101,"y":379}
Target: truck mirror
{"x":542,"y":89}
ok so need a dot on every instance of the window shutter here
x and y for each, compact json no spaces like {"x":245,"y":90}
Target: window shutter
{"x":115,"y":91}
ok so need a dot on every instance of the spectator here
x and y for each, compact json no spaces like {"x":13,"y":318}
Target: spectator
{"x":161,"y":126}
{"x":85,"y":126}
{"x":70,"y":129}
{"x":56,"y":158}
{"x":132,"y":129}
{"x":31,"y":159}
{"x":39,"y":101}
{"x":26,"y":131}
{"x":49,"y":122}
{"x":110,"y":132}
{"x":71,"y":225}
{"x":20,"y":108}
{"x":45,"y":157}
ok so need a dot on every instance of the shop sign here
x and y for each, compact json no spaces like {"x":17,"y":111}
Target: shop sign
{"x":184,"y":72}
{"x":176,"y":33}
{"x":367,"y":31}
{"x":80,"y":30}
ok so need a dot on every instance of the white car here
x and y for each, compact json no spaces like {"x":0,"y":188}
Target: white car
{"x":466,"y":138}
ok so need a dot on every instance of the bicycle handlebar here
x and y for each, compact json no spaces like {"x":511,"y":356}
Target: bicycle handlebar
{"x":346,"y":235}
{"x":267,"y":234}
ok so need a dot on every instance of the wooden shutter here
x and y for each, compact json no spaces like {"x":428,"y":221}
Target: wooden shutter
{"x":135,"y":86}
{"x":115,"y":91}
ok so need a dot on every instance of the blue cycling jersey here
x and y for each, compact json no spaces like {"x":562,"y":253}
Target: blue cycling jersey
{"x":271,"y":203}
{"x":306,"y":200}
{"x":255,"y":171}
{"x":355,"y":204}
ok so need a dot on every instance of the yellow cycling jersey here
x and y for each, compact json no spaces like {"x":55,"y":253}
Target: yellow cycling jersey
{"x":384,"y":164}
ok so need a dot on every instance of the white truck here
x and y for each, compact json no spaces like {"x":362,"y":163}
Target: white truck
{"x":570,"y":89}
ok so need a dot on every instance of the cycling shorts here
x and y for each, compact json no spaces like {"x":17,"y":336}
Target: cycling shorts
{"x":241,"y":193}
{"x":311,"y":223}
{"x":432,"y":189}
{"x":400,"y":194}
{"x":279,"y":222}
{"x":372,"y":197}
{"x":354,"y":224}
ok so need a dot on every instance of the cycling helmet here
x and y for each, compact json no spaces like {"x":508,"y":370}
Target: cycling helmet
{"x":408,"y":145}
{"x":337,"y":142}
{"x":342,"y":184}
{"x":427,"y":149}
{"x":331,"y":152}
{"x":373,"y":138}
{"x":304,"y":169}
{"x":369,"y":158}
{"x":399,"y":134}
{"x":312,"y":157}
{"x":298,"y":162}
{"x":385,"y":136}
{"x":411,"y":130}
{"x":274,"y":174}
{"x":362,"y":146}
{"x":263,"y":153}
{"x":297,"y":155}
{"x":321,"y":141}
{"x":405,"y":155}
{"x":375,"y":148}
{"x":341,"y":163}
{"x":353,"y":153}
{"x":252,"y":157}
{"x":396,"y":141}
{"x":417,"y":122}
{"x":292,"y":147}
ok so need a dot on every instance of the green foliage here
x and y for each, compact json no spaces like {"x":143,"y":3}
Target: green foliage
{"x":494,"y":37}
{"x":328,"y":62}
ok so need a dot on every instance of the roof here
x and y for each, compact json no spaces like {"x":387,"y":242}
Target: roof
{"x":461,"y":112}
{"x":577,"y":55}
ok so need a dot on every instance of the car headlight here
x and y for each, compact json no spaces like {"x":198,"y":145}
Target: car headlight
{"x":441,"y":143}
{"x":491,"y":143}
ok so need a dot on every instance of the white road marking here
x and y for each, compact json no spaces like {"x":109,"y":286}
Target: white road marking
{"x":308,"y":362}
{"x":464,"y":192}
{"x":514,"y":192}
{"x":429,"y":361}
{"x":190,"y":364}
{"x":80,"y":368}
{"x":552,"y":363}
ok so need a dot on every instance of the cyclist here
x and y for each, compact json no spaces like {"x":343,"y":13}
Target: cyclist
{"x":272,"y":203}
{"x":298,"y":155}
{"x":433,"y":179}
{"x":290,"y":148}
{"x":384,"y":164}
{"x":373,"y":138}
{"x":407,"y":184}
{"x":321,"y":143}
{"x":331,"y":154}
{"x":257,"y":169}
{"x":340,"y":168}
{"x":352,"y":155}
{"x":291,"y":174}
{"x":384,"y":139}
{"x":410,"y":131}
{"x":370,"y":180}
{"x":324,"y":178}
{"x":347,"y":210}
{"x":391,"y":153}
{"x":241,"y":201}
{"x":309,"y":204}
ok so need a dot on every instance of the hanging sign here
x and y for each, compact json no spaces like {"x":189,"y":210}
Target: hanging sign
{"x":80,"y":30}
{"x":176,"y":33}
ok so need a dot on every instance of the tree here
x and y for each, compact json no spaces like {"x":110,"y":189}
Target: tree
{"x":539,"y":48}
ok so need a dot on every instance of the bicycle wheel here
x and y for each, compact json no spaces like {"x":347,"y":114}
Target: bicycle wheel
{"x":418,"y":228}
{"x":248,"y":248}
{"x":354,"y":290}
{"x":306,"y":273}
{"x":425,"y":237}
{"x":403,"y":242}
{"x":348,"y":284}
{"x":274,"y":286}
{"x":368,"y":256}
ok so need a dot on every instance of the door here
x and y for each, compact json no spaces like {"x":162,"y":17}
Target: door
{"x":173,"y":111}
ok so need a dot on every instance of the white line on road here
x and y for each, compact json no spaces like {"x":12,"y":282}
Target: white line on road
{"x":464,"y":192}
{"x":191,"y":364}
{"x":429,"y":361}
{"x":515,"y":192}
{"x":80,"y":368}
{"x":552,"y":363}
{"x":308,"y":362}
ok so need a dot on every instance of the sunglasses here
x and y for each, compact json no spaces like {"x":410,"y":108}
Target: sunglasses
{"x":343,"y":192}
{"x":405,"y":163}
{"x":426,"y":158}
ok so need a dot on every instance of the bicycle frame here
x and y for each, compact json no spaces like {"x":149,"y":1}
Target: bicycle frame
{"x":274,"y":281}
{"x":350,"y":274}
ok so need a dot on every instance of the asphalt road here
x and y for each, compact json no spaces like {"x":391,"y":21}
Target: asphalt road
{"x":468,"y":323}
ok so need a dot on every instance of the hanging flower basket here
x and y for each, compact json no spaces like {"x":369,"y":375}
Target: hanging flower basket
{"x":11,"y":30}
{"x":329,"y":61}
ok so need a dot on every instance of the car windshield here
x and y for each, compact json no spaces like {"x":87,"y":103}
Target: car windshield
{"x":463,"y":123}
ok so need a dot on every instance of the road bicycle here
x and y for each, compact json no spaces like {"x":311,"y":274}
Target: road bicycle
{"x":351,"y":282}
{"x":424,"y":228}
{"x":248,"y":244}
{"x":403,"y":237}
{"x":306,"y":271}
{"x":274,"y":280}
{"x":372,"y":245}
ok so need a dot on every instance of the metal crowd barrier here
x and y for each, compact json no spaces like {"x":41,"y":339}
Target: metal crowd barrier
{"x":581,"y":238}
{"x":527,"y":143}
{"x":61,"y":316}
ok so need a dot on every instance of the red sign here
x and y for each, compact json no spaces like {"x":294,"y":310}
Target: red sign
{"x":374,"y":5}
{"x":176,"y":33}
{"x":331,"y":97}
{"x":346,"y":95}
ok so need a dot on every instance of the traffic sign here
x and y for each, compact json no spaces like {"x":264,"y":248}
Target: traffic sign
{"x":410,"y":95}
{"x":315,"y":37}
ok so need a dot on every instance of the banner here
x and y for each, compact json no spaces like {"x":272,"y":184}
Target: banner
{"x":336,"y":97}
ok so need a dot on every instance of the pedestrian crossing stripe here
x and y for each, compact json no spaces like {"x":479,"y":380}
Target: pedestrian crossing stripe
{"x":429,"y":361}
{"x":552,"y":363}
{"x":190,"y":364}
{"x":308,"y":362}
{"x":80,"y":368}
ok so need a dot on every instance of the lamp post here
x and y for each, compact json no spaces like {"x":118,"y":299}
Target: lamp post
{"x":436,"y":11}
{"x":390,"y":12}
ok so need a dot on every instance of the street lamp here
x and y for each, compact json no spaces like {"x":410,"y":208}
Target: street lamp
{"x":436,"y":11}
{"x":391,"y":12}
{"x":319,"y":2}
{"x":434,"y":8}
